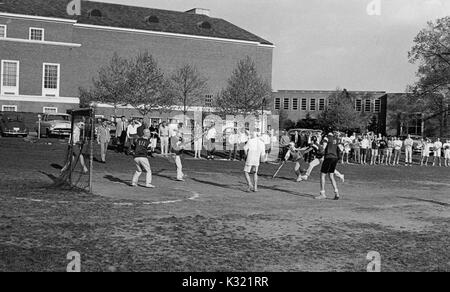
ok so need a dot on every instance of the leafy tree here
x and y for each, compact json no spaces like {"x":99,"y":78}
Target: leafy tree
{"x":341,"y":115}
{"x":188,"y":86}
{"x":111,"y":86}
{"x":246,"y":91}
{"x":148,"y":88}
{"x":431,"y":50}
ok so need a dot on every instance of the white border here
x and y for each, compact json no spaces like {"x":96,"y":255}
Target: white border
{"x":37,"y":98}
{"x":40,"y":42}
{"x":47,"y":91}
{"x":49,"y":107}
{"x":6,"y":31}
{"x":7,"y":105}
{"x":15,"y":89}
{"x":40,"y":18}
{"x":129,"y":30}
{"x":36,"y":28}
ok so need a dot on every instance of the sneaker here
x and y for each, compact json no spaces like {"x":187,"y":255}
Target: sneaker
{"x":150,"y":186}
{"x":180,"y":179}
{"x":342,"y":178}
{"x":304,"y":177}
{"x":321,"y":197}
{"x":336,"y":198}
{"x":299,"y":179}
{"x":249,"y":189}
{"x":133,"y":185}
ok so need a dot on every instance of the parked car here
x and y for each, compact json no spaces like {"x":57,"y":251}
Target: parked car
{"x":13,"y":125}
{"x":55,"y":125}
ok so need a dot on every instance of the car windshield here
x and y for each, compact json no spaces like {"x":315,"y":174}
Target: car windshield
{"x":58,"y":118}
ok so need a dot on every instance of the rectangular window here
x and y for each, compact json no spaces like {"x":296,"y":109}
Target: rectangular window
{"x":321,"y":104}
{"x":295,"y":104}
{"x":9,"y":108}
{"x":304,"y":104}
{"x":51,"y":80}
{"x":10,"y":77}
{"x":277,"y":103}
{"x":286,"y":104}
{"x":358,"y":105}
{"x":2,"y":31}
{"x":312,"y":104}
{"x":36,"y":34}
{"x":367,"y":105}
{"x":377,"y":105}
{"x":208,"y":100}
{"x":50,"y":110}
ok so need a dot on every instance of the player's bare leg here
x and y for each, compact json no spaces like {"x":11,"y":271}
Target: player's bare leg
{"x":255,"y":179}
{"x":333,"y":182}
{"x":249,"y":182}
{"x":322,"y":187}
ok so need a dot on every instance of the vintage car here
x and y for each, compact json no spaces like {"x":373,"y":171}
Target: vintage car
{"x":55,"y":125}
{"x":13,"y":125}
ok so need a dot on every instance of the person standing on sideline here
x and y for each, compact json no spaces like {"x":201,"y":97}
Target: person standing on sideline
{"x":374,"y":151}
{"x":121,"y":133}
{"x":267,"y":139}
{"x":331,"y":154}
{"x":426,"y":152}
{"x":390,"y":149}
{"x":409,"y":151}
{"x":437,"y":152}
{"x":141,"y":128}
{"x":233,"y":140}
{"x":198,"y":142}
{"x":383,"y":144}
{"x":164,"y":136}
{"x":243,"y":139}
{"x":254,"y":149}
{"x":285,"y":140}
{"x":141,"y":160}
{"x":77,"y":143}
{"x":103,"y":138}
{"x":397,"y":151}
{"x":177,"y":148}
{"x":211,"y":140}
{"x":346,"y":142}
{"x":357,"y":150}
{"x":365,"y":144}
{"x":446,"y":148}
{"x":132,"y":133}
{"x":153,"y":137}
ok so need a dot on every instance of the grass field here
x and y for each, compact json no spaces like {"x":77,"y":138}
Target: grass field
{"x":209,"y":224}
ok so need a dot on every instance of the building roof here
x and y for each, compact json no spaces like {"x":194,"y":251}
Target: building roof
{"x":132,"y":17}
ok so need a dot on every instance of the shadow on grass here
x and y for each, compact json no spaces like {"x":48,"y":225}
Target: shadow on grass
{"x":274,"y":188}
{"x":117,"y":180}
{"x":426,"y":201}
{"x":224,"y":186}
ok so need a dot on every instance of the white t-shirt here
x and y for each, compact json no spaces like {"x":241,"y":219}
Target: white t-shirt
{"x":446,"y":147}
{"x":256,"y":149}
{"x":132,"y":130}
{"x":243,"y":138}
{"x":437,"y":145}
{"x":212,"y":134}
{"x":365,"y":144}
{"x":398,"y":144}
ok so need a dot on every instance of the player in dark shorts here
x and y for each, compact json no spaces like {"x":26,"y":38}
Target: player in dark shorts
{"x":332,"y":153}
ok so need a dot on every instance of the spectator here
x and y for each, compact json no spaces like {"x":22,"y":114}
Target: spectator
{"x":284,"y":143}
{"x":153,"y":137}
{"x":198,"y":141}
{"x":164,"y":136}
{"x":397,"y":150}
{"x":426,"y":147}
{"x":408,"y":150}
{"x":121,"y":133}
{"x":103,"y":138}
{"x":233,"y":141}
{"x":383,"y":148}
{"x":243,"y":139}
{"x":211,"y":140}
{"x":357,"y":150}
{"x":437,"y":152}
{"x":365,"y":144}
{"x":446,"y":148}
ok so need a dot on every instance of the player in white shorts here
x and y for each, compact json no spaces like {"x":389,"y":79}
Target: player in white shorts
{"x":255,"y":150}
{"x":426,"y":146}
{"x":437,"y":152}
{"x":446,"y":147}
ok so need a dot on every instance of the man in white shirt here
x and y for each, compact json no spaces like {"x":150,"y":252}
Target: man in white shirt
{"x":409,"y":150}
{"x":243,"y":139}
{"x":398,"y":144}
{"x":211,"y":140}
{"x":254,"y":149}
{"x":437,"y":152}
{"x":446,"y":147}
{"x":233,"y":140}
{"x":164,"y":136}
{"x":77,"y":151}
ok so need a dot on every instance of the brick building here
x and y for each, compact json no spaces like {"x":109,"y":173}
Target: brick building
{"x":297,"y":105}
{"x":46,"y":55}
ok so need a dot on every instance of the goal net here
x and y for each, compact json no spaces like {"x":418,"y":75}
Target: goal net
{"x":78,"y":165}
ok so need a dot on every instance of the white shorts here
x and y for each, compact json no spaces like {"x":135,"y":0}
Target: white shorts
{"x":447,"y":154}
{"x":249,"y":168}
{"x":438,"y":153}
{"x":153,"y":142}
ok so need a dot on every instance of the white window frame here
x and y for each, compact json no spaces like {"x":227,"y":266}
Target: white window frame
{"x":286,"y":101}
{"x":365,"y":105}
{"x":51,"y":91}
{"x":304,"y":107}
{"x":45,"y":108}
{"x":361,"y":105}
{"x":277,"y":103}
{"x":295,"y":104}
{"x":6,"y":30}
{"x":323,"y":102}
{"x":36,"y":28}
{"x":9,"y":90}
{"x":311,"y":103}
{"x":7,"y":105}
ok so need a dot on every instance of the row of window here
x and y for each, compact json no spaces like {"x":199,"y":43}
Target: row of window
{"x":10,"y":74}
{"x":35,"y":33}
{"x":45,"y":109}
{"x":320,"y":104}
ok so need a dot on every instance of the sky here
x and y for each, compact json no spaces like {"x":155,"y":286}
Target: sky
{"x":325,"y":44}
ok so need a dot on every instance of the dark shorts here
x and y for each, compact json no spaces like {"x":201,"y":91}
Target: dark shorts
{"x":329,"y":165}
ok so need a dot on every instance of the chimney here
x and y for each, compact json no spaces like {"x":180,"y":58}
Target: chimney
{"x":200,"y":11}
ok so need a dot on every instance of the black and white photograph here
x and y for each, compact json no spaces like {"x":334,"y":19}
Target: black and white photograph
{"x":238,"y":138}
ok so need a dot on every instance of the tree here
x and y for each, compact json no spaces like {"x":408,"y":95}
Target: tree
{"x":340,"y":115}
{"x":431,"y":51}
{"x":188,"y":86}
{"x":246,"y":91}
{"x":148,"y":88}
{"x":111,"y":86}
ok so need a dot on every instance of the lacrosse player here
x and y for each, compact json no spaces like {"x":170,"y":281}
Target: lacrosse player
{"x":255,"y":150}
